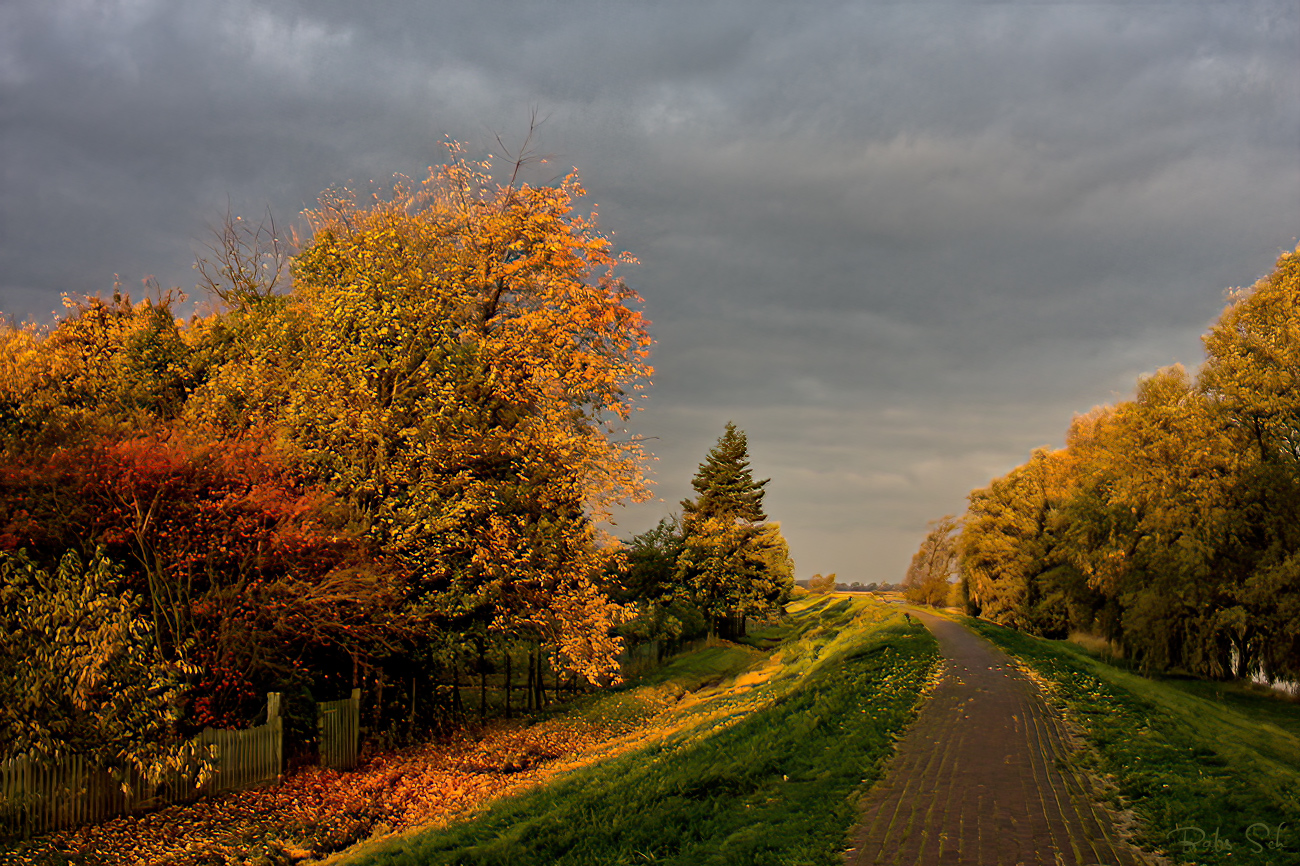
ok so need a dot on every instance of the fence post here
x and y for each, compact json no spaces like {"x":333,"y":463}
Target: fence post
{"x":354,"y":734}
{"x":272,"y":706}
{"x":276,"y":725}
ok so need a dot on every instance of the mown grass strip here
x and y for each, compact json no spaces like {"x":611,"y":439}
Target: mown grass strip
{"x":1212,"y":770}
{"x":759,"y":773}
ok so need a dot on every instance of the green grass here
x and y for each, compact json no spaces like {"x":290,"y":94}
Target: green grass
{"x":761,"y":769}
{"x":1212,"y":770}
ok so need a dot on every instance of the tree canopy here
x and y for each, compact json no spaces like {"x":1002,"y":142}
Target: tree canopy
{"x":934,"y":565}
{"x":724,"y":483}
{"x":1168,"y":523}
{"x":395,"y":460}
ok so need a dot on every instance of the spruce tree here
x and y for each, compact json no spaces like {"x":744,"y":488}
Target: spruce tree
{"x":725,"y":484}
{"x":732,"y":564}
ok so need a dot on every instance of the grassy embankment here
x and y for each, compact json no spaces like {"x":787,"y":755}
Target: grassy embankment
{"x":1211,"y":769}
{"x":756,"y":766}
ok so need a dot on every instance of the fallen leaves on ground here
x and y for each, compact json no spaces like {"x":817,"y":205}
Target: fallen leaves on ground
{"x":316,"y":811}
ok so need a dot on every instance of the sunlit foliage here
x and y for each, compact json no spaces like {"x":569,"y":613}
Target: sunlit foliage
{"x":392,"y":465}
{"x":1168,"y":523}
{"x":934,"y":564}
{"x":108,"y":366}
{"x":78,"y":670}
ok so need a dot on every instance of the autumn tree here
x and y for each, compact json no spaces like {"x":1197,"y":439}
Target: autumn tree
{"x":401,"y":457}
{"x":934,"y":565}
{"x":456,"y":361}
{"x":1252,"y":368}
{"x":79,"y":674}
{"x":1168,"y":522}
{"x":244,"y":572}
{"x":1007,"y":537}
{"x":1251,"y":375}
{"x":1154,"y":524}
{"x":822,"y":584}
{"x":733,"y":564}
{"x":107,"y":367}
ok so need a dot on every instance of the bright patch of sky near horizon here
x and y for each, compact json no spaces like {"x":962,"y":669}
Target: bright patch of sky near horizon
{"x":899,"y":244}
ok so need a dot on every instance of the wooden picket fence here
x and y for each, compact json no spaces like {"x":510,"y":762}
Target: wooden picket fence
{"x":244,"y":758}
{"x":339,"y":726}
{"x":40,"y":797}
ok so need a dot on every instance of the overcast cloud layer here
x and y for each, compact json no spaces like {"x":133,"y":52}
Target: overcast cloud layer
{"x":899,"y":244}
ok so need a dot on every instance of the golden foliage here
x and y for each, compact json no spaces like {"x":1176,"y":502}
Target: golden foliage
{"x":456,"y":360}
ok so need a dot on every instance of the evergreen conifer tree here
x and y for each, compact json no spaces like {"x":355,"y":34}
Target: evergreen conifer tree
{"x":732,"y":564}
{"x":725,"y":484}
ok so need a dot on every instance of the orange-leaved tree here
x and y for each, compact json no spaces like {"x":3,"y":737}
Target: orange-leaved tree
{"x":109,"y":366}
{"x":456,"y":361}
{"x":244,"y":572}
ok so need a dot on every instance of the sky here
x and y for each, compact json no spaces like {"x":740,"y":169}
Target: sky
{"x":899,"y":244}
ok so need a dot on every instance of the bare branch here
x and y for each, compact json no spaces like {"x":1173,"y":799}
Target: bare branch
{"x":525,"y":155}
{"x":246,"y":261}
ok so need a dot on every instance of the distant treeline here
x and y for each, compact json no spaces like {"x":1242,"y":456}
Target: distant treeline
{"x":829,"y":583}
{"x":1169,"y":524}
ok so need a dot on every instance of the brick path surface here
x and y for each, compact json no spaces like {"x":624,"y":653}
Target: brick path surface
{"x":976,"y":779}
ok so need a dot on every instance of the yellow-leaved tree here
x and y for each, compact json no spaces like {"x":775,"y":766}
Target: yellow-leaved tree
{"x":456,"y":360}
{"x":934,"y":564}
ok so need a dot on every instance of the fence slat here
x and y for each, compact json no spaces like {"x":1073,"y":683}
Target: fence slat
{"x":339,"y":725}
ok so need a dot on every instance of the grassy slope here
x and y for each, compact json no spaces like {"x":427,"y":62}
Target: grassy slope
{"x":1191,"y":758}
{"x":759,"y":768}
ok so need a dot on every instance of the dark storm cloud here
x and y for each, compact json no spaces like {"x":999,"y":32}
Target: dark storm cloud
{"x":899,"y":243}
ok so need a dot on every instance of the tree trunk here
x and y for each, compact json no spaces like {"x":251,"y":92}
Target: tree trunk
{"x":532,"y":687}
{"x":507,"y":655}
{"x":541,"y":680}
{"x":457,"y":707}
{"x":482,"y":684}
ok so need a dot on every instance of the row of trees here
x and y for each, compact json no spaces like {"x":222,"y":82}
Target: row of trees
{"x":394,"y":468}
{"x":1168,"y":524}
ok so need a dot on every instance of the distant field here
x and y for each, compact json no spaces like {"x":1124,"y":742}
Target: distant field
{"x":1212,"y":770}
{"x":759,"y":766}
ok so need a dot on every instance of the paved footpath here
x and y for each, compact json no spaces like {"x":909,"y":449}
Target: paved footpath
{"x":975,"y":779}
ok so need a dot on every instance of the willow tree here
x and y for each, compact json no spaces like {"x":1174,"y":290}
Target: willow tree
{"x":1252,"y":375}
{"x":1007,"y":537}
{"x":935,"y":564}
{"x":1154,"y":524}
{"x":1168,"y":522}
{"x":1252,"y":368}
